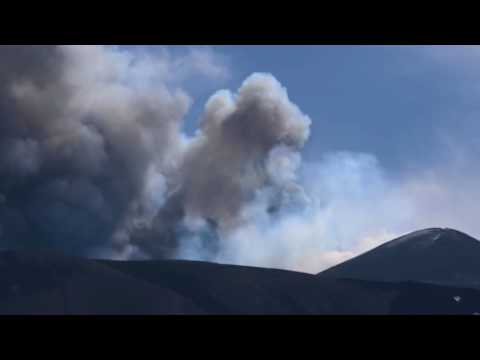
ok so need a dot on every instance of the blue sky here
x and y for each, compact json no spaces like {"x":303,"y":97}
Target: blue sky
{"x":392,"y":101}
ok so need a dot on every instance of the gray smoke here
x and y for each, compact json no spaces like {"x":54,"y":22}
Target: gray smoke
{"x":247,"y":143}
{"x":82,"y":147}
{"x":235,"y":152}
{"x":93,"y":159}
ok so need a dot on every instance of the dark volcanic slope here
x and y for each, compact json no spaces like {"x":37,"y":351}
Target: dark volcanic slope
{"x":227,"y":289}
{"x":438,"y":256}
{"x":52,"y":284}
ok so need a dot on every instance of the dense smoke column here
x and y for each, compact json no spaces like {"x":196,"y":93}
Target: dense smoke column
{"x":91,"y":157}
{"x":230,"y":162}
{"x":78,"y":146}
{"x":248,"y":144}
{"x":25,"y":121}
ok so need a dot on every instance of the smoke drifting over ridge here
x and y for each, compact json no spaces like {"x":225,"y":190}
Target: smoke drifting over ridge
{"x":92,"y":158}
{"x":93,"y":161}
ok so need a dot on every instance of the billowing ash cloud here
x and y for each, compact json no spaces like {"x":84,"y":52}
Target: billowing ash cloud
{"x":93,"y":157}
{"x":247,"y":143}
{"x":93,"y":162}
{"x":85,"y":148}
{"x":239,"y":148}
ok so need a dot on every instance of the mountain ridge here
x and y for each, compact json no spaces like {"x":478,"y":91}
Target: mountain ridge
{"x":47,"y":283}
{"x":441,"y":256}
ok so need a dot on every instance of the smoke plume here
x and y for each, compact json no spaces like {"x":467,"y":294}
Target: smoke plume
{"x":86,"y":149}
{"x":93,"y":161}
{"x":93,"y":156}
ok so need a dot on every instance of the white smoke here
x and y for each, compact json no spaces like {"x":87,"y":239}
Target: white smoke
{"x":355,"y":207}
